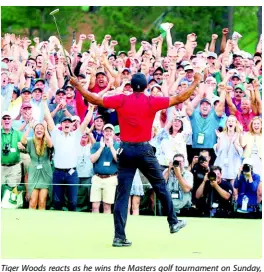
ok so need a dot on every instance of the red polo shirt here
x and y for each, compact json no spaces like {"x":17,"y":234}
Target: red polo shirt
{"x":136,"y":113}
{"x":245,"y":119}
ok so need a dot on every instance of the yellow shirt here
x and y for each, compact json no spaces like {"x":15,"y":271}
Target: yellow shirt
{"x":249,"y":140}
{"x":14,"y":107}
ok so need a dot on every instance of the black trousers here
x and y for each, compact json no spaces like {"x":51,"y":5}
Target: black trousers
{"x":141,"y":156}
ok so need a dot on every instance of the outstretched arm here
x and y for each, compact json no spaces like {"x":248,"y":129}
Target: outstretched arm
{"x":175,"y":100}
{"x":90,"y":97}
{"x":87,"y":118}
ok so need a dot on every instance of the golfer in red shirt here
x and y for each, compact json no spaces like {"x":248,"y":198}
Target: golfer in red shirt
{"x":136,"y":113}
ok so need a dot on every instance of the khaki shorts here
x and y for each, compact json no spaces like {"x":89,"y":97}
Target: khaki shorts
{"x":11,"y":175}
{"x":25,"y":159}
{"x":103,"y":189}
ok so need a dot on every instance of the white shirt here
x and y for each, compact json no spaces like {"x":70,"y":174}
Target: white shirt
{"x":84,"y":165}
{"x":65,"y":148}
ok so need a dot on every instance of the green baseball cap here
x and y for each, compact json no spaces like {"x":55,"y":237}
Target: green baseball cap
{"x":240,"y":86}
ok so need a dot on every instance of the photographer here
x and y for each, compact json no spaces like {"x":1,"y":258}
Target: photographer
{"x":199,"y":170}
{"x":179,"y":183}
{"x":247,"y":186}
{"x":217,"y":193}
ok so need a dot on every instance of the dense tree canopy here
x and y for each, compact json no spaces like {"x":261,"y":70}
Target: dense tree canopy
{"x":125,"y":22}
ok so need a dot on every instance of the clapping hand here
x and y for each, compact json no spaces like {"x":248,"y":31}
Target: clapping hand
{"x":102,"y":143}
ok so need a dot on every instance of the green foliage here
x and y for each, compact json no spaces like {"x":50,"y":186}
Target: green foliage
{"x":123,"y":23}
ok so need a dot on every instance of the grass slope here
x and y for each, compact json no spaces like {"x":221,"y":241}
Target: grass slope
{"x":57,"y":235}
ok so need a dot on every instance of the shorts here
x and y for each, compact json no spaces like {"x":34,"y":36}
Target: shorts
{"x":103,"y":189}
{"x":11,"y":175}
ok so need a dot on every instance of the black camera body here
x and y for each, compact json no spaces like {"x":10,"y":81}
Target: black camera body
{"x":247,"y":168}
{"x":176,"y":163}
{"x":6,"y":149}
{"x":211,"y":176}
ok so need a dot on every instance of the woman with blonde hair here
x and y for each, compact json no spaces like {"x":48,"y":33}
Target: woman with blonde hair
{"x":40,"y":172}
{"x":252,"y":144}
{"x":228,"y":149}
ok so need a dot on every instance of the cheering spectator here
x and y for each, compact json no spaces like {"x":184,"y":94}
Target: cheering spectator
{"x":252,"y":144}
{"x":65,"y":143}
{"x":98,"y":128}
{"x":60,"y":109}
{"x":10,"y":157}
{"x":104,"y":181}
{"x":39,"y":172}
{"x":229,"y":150}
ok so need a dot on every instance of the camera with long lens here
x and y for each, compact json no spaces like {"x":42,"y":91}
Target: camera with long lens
{"x":6,"y":149}
{"x":211,"y":176}
{"x":246,"y":168}
{"x":176,"y":163}
{"x":201,"y":159}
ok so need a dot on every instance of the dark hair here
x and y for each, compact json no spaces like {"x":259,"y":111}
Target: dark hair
{"x":204,"y":150}
{"x":216,"y":167}
{"x":39,"y":55}
{"x":180,"y":130}
{"x":178,"y":155}
{"x":257,"y":62}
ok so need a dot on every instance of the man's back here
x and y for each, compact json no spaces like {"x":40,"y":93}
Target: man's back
{"x":136,"y":113}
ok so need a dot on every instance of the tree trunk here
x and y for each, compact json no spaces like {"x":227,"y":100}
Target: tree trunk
{"x":259,"y":14}
{"x":230,"y":12}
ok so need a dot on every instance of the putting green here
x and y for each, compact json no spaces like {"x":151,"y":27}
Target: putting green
{"x":73,"y":235}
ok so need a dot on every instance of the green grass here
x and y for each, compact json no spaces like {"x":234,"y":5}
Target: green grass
{"x":72,"y":235}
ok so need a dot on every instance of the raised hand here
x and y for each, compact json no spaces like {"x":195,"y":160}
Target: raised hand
{"x":133,"y":40}
{"x":102,"y":143}
{"x":214,"y":37}
{"x":82,"y":37}
{"x":225,"y":31}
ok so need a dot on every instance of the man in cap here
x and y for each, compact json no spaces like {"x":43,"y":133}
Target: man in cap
{"x":37,"y":107}
{"x":98,"y":127}
{"x":135,"y":151}
{"x":70,"y":96}
{"x":189,"y":73}
{"x":158,"y":75}
{"x":100,"y":83}
{"x":104,"y":161}
{"x":204,"y":123}
{"x":126,"y":74}
{"x":239,"y":93}
{"x":65,"y":142}
{"x":60,"y":109}
{"x":15,"y":106}
{"x":235,"y":79}
{"x":10,"y":155}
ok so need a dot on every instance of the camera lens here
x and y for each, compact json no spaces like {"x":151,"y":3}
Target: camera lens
{"x":246,"y":168}
{"x":212,"y":176}
{"x":176,"y":163}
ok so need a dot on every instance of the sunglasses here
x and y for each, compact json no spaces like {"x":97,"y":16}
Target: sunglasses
{"x":211,"y":58}
{"x":6,"y":118}
{"x":158,"y":74}
{"x":240,"y":92}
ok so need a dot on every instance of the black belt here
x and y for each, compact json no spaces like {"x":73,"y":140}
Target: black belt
{"x":9,"y":165}
{"x":105,"y":176}
{"x":140,"y":143}
{"x":65,"y":170}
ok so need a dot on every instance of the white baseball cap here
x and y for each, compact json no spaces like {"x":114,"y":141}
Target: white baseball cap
{"x":5,"y":113}
{"x":109,"y":126}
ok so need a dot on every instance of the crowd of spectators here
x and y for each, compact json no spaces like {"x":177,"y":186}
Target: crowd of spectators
{"x":62,"y":151}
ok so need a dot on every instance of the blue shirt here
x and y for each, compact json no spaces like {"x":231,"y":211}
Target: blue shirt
{"x":248,"y":189}
{"x":18,"y":123}
{"x":7,"y":93}
{"x":207,"y":126}
{"x":105,"y":157}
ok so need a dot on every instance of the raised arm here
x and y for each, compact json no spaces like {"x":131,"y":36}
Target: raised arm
{"x":174,"y":100}
{"x":213,"y":42}
{"x":223,"y":41}
{"x":232,"y":107}
{"x":220,"y":108}
{"x":47,"y":113}
{"x":90,"y":97}
{"x":87,"y":118}
{"x":47,"y":135}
